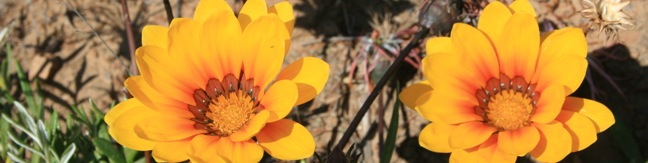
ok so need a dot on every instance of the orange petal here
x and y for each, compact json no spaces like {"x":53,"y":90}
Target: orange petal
{"x":252,"y":9}
{"x":184,"y":51}
{"x":310,"y":74}
{"x":580,"y":128}
{"x":522,"y":6}
{"x":286,"y":140}
{"x":555,"y":142}
{"x":490,"y":151}
{"x":252,"y":128}
{"x":167,"y":128}
{"x":470,"y":134}
{"x":451,"y":106}
{"x":479,"y":53}
{"x":595,"y":111}
{"x":203,"y":147}
{"x":280,"y":99}
{"x":412,"y":93}
{"x":567,"y":70}
{"x":566,"y":41}
{"x":175,"y":151}
{"x":425,"y":111}
{"x":518,"y":142}
{"x":492,"y":20}
{"x":435,"y":136}
{"x":153,"y":62}
{"x":221,"y":47}
{"x":448,"y":70}
{"x":465,"y":155}
{"x":439,"y":45}
{"x":122,"y":120}
{"x":549,"y":104}
{"x":244,"y":151}
{"x":206,"y":8}
{"x":141,"y":90}
{"x":285,"y":11}
{"x":264,"y":49}
{"x":518,"y":47}
{"x":153,"y":35}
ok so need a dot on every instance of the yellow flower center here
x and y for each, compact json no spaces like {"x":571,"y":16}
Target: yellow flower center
{"x":507,"y":104}
{"x":225,"y":107}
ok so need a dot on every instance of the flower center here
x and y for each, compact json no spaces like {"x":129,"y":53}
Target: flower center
{"x":225,"y":106}
{"x":505,"y":103}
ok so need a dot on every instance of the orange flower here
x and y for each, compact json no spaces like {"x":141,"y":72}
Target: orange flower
{"x":500,"y":91}
{"x":212,"y":88}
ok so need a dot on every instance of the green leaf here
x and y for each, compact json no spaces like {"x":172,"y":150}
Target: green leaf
{"x":68,"y":153}
{"x":106,"y":148}
{"x":390,"y":141}
{"x":25,"y":87}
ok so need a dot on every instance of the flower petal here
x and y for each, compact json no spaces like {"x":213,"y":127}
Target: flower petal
{"x":595,"y":111}
{"x":280,"y":99}
{"x":470,"y":134}
{"x":122,"y":120}
{"x":286,"y":140}
{"x":567,"y":70}
{"x":153,"y":35}
{"x":252,"y":127}
{"x":555,"y":142}
{"x":264,"y":49}
{"x":562,"y":51}
{"x":166,"y":128}
{"x":479,"y":53}
{"x":566,"y":41}
{"x":203,"y":147}
{"x":518,"y":47}
{"x":206,"y":8}
{"x":412,"y":93}
{"x":580,"y":128}
{"x":518,"y":142}
{"x":522,"y":6}
{"x":452,"y":106}
{"x":435,"y":136}
{"x":141,"y":90}
{"x":549,"y":104}
{"x":252,"y":9}
{"x":310,"y":74}
{"x":424,"y":110}
{"x":184,"y":51}
{"x":465,"y":155}
{"x":221,"y":46}
{"x":492,"y":20}
{"x":285,"y":11}
{"x":153,"y":63}
{"x":439,"y":45}
{"x":491,"y":151}
{"x":175,"y":151}
{"x":244,"y":151}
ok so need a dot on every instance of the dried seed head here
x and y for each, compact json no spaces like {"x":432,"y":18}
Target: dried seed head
{"x":608,"y":16}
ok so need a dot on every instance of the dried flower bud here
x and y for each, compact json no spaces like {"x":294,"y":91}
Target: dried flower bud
{"x":439,"y":15}
{"x":607,"y":15}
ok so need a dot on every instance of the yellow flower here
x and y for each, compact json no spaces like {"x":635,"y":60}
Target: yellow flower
{"x":500,"y":91}
{"x":212,"y":88}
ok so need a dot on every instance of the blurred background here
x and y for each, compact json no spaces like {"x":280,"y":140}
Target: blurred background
{"x":72,"y":58}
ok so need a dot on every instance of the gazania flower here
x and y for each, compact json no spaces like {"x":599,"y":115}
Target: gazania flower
{"x":500,"y":91}
{"x":212,"y":88}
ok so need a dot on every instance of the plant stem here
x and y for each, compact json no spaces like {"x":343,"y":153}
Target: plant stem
{"x":169,"y":12}
{"x":129,"y":35}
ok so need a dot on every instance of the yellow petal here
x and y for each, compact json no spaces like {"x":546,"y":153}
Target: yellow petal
{"x":166,"y":128}
{"x":286,"y":140}
{"x":439,"y":45}
{"x":451,"y":105}
{"x":206,"y":8}
{"x":244,"y":151}
{"x":567,"y":70}
{"x":448,"y":70}
{"x":122,"y":120}
{"x":158,"y":75}
{"x":175,"y":151}
{"x":153,"y":35}
{"x":518,"y":142}
{"x":141,"y":90}
{"x":562,"y":51}
{"x":221,"y":43}
{"x":518,"y":48}
{"x":522,"y":6}
{"x":465,"y":155}
{"x":566,"y":41}
{"x":203,"y":148}
{"x":595,"y":111}
{"x":492,"y":20}
{"x":285,"y":11}
{"x":470,"y":134}
{"x":280,"y":99}
{"x":184,"y":52}
{"x":264,"y":49}
{"x":424,"y":110}
{"x":479,"y":53}
{"x":310,"y":74}
{"x":549,"y":104}
{"x":412,"y":93}
{"x":580,"y":128}
{"x":252,"y":9}
{"x":490,"y":151}
{"x":251,"y":128}
{"x":555,"y":142}
{"x":435,"y":136}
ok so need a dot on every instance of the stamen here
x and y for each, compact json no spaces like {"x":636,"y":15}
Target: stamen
{"x":506,"y":103}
